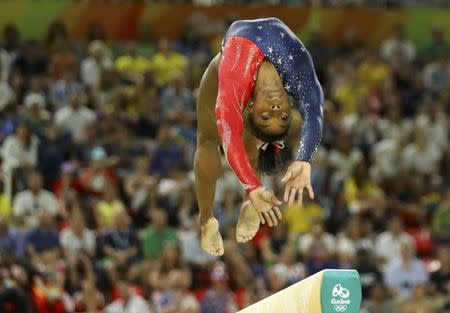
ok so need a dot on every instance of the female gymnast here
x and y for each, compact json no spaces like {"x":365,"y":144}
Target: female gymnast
{"x":244,"y":105}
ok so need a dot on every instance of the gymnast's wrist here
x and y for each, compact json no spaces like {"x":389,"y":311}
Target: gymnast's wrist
{"x":252,"y":187}
{"x":303,"y":158}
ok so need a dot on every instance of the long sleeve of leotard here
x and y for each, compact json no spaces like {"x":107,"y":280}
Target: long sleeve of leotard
{"x":311,"y":108}
{"x":238,"y":67}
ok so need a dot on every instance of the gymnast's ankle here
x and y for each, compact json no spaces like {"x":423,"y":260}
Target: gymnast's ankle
{"x":204,"y":219}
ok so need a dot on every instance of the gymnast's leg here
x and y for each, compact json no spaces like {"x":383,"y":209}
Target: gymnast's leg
{"x":207,"y":169}
{"x":207,"y":162}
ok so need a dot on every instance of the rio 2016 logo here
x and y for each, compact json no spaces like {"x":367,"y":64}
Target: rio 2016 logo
{"x":340,"y":304}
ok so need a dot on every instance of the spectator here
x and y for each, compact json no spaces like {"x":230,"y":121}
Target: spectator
{"x":6,"y":92}
{"x":219,"y":299}
{"x":318,"y":248}
{"x":106,"y":210}
{"x":54,"y":148}
{"x":11,"y":239}
{"x":361,"y":192}
{"x":62,"y":89}
{"x":299,"y":219}
{"x":441,"y":219}
{"x":169,"y":262}
{"x":175,"y":296}
{"x":434,"y":122}
{"x":56,"y":31}
{"x":139,"y":184}
{"x":436,"y":75}
{"x":343,"y":158}
{"x":373,"y":72}
{"x":293,"y":270}
{"x":28,"y":203}
{"x":176,"y":99}
{"x":404,"y":273}
{"x":351,"y":240}
{"x":392,"y":125}
{"x":129,"y":301}
{"x":94,"y":64}
{"x":387,"y":155}
{"x":131,"y":65}
{"x":62,"y":58}
{"x":368,"y":272}
{"x":228,"y":212}
{"x":158,"y":235}
{"x":31,"y":60}
{"x":99,"y":174}
{"x":5,"y":207}
{"x":166,"y":63}
{"x":398,"y":50}
{"x":379,"y":301}
{"x":437,"y":44}
{"x":349,"y":91}
{"x":36,"y":116}
{"x":419,"y":302}
{"x":441,"y":277}
{"x":388,"y":243}
{"x":14,"y":285}
{"x":42,"y":242}
{"x":89,"y":299}
{"x":19,"y":153}
{"x":421,"y":156}
{"x":48,"y":292}
{"x":76,"y":117}
{"x":120,"y":243}
{"x":76,"y":239}
{"x":146,"y":40}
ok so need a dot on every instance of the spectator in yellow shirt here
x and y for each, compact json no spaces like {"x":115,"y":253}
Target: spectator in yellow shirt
{"x":360,"y":191}
{"x":300,"y":219}
{"x":373,"y":72}
{"x":108,"y":208}
{"x":5,"y":208}
{"x":131,"y":65}
{"x":166,"y":63}
{"x":349,"y":91}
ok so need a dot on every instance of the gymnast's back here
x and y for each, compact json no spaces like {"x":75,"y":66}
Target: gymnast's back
{"x":285,"y":51}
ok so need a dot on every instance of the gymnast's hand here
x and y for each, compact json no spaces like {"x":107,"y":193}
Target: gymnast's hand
{"x":297,"y":178}
{"x":266,"y":204}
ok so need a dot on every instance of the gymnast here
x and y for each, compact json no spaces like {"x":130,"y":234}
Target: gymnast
{"x":244,"y":105}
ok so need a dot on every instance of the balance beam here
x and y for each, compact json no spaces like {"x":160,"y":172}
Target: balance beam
{"x":329,"y":291}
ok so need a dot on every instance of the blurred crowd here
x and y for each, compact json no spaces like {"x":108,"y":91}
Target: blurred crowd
{"x":97,"y":209}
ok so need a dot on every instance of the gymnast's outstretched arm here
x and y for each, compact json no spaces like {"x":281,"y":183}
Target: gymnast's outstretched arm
{"x":310,"y":98}
{"x":207,"y":162}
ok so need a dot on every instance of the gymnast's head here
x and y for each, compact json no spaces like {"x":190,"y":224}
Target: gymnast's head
{"x":269,"y":112}
{"x":269,"y":118}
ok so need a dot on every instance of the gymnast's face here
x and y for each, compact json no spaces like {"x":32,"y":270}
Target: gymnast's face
{"x":271,"y":110}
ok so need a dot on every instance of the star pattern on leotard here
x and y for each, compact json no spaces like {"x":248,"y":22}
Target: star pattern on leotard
{"x":284,"y":52}
{"x":287,"y":53}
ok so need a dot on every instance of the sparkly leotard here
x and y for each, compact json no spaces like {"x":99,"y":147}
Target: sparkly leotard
{"x":246,"y":44}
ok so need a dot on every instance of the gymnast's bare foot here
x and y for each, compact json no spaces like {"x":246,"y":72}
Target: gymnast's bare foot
{"x":248,"y":223}
{"x":211,"y":240}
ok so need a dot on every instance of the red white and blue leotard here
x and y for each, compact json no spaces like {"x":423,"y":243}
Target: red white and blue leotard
{"x":246,"y":44}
